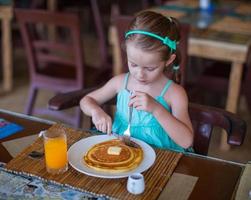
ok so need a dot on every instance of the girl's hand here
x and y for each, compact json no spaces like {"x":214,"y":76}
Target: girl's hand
{"x":143,"y":101}
{"x":102,"y":121}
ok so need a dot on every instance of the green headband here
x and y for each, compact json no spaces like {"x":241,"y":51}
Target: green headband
{"x":168,"y":42}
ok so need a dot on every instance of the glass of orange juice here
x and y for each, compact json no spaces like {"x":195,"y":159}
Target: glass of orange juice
{"x":55,"y":148}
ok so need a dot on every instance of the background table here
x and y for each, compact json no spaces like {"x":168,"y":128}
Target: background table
{"x":227,"y":36}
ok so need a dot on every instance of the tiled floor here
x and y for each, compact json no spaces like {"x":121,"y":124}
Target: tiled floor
{"x":16,"y":99}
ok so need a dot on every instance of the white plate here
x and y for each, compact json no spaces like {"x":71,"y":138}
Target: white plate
{"x":77,"y":151}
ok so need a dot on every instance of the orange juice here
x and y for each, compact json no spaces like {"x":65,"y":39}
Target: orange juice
{"x":55,"y":148}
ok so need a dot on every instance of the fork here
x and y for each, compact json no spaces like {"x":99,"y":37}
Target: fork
{"x":127,"y":134}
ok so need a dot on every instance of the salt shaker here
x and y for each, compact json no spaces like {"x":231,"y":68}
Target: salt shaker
{"x":136,"y":183}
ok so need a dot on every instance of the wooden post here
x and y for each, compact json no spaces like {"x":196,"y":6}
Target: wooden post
{"x":114,"y":41}
{"x":6,"y":16}
{"x":233,"y":96}
{"x":52,"y":6}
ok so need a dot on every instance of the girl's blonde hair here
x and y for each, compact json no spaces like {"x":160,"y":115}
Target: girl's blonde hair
{"x":162,"y":26}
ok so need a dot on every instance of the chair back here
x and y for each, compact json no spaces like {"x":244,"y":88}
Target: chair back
{"x":183,"y":47}
{"x":121,"y":23}
{"x":205,"y":118}
{"x":54,"y":63}
{"x":53,"y":46}
{"x":246,"y":85}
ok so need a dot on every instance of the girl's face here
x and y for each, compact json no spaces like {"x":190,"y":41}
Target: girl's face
{"x":145,"y":67}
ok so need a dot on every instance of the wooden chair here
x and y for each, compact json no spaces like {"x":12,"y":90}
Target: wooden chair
{"x":204,"y":119}
{"x":246,"y":86}
{"x":55,"y":64}
{"x":121,"y":24}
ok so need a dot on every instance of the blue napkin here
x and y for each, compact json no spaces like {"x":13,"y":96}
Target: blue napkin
{"x":8,"y":128}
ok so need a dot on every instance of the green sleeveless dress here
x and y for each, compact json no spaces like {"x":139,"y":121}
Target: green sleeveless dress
{"x":144,"y":125}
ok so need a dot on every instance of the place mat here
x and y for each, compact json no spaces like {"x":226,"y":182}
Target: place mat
{"x":200,"y":20}
{"x":15,"y":186}
{"x":245,"y":184}
{"x":176,"y":9}
{"x":214,"y":35}
{"x":15,"y":146}
{"x":172,"y":13}
{"x":233,"y":25}
{"x":179,"y":187}
{"x":182,"y":5}
{"x":244,"y":8}
{"x":179,"y":8}
{"x":155,"y":178}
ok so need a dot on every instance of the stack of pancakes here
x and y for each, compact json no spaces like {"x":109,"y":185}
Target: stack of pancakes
{"x":99,"y":159}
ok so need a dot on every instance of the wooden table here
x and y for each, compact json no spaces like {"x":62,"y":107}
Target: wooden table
{"x":32,"y":126}
{"x":219,"y":41}
{"x":6,"y":14}
{"x":217,"y":179}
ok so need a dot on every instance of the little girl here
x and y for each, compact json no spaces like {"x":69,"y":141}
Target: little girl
{"x":160,"y":106}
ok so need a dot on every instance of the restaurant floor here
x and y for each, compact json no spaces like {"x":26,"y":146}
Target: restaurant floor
{"x":16,"y":100}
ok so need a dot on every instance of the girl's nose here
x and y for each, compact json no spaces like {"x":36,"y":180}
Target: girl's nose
{"x":141,"y":73}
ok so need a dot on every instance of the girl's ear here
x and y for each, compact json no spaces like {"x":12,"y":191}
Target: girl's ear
{"x":170,"y":60}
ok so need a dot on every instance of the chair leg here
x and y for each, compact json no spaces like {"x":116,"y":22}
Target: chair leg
{"x":5,"y":155}
{"x":247,"y":87}
{"x":31,"y":101}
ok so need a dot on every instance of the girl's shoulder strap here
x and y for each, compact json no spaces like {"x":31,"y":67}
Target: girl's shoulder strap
{"x":126,"y":81}
{"x":169,"y":82}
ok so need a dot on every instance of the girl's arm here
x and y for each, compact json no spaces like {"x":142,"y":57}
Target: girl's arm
{"x":177,"y":124}
{"x":90,"y":104}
